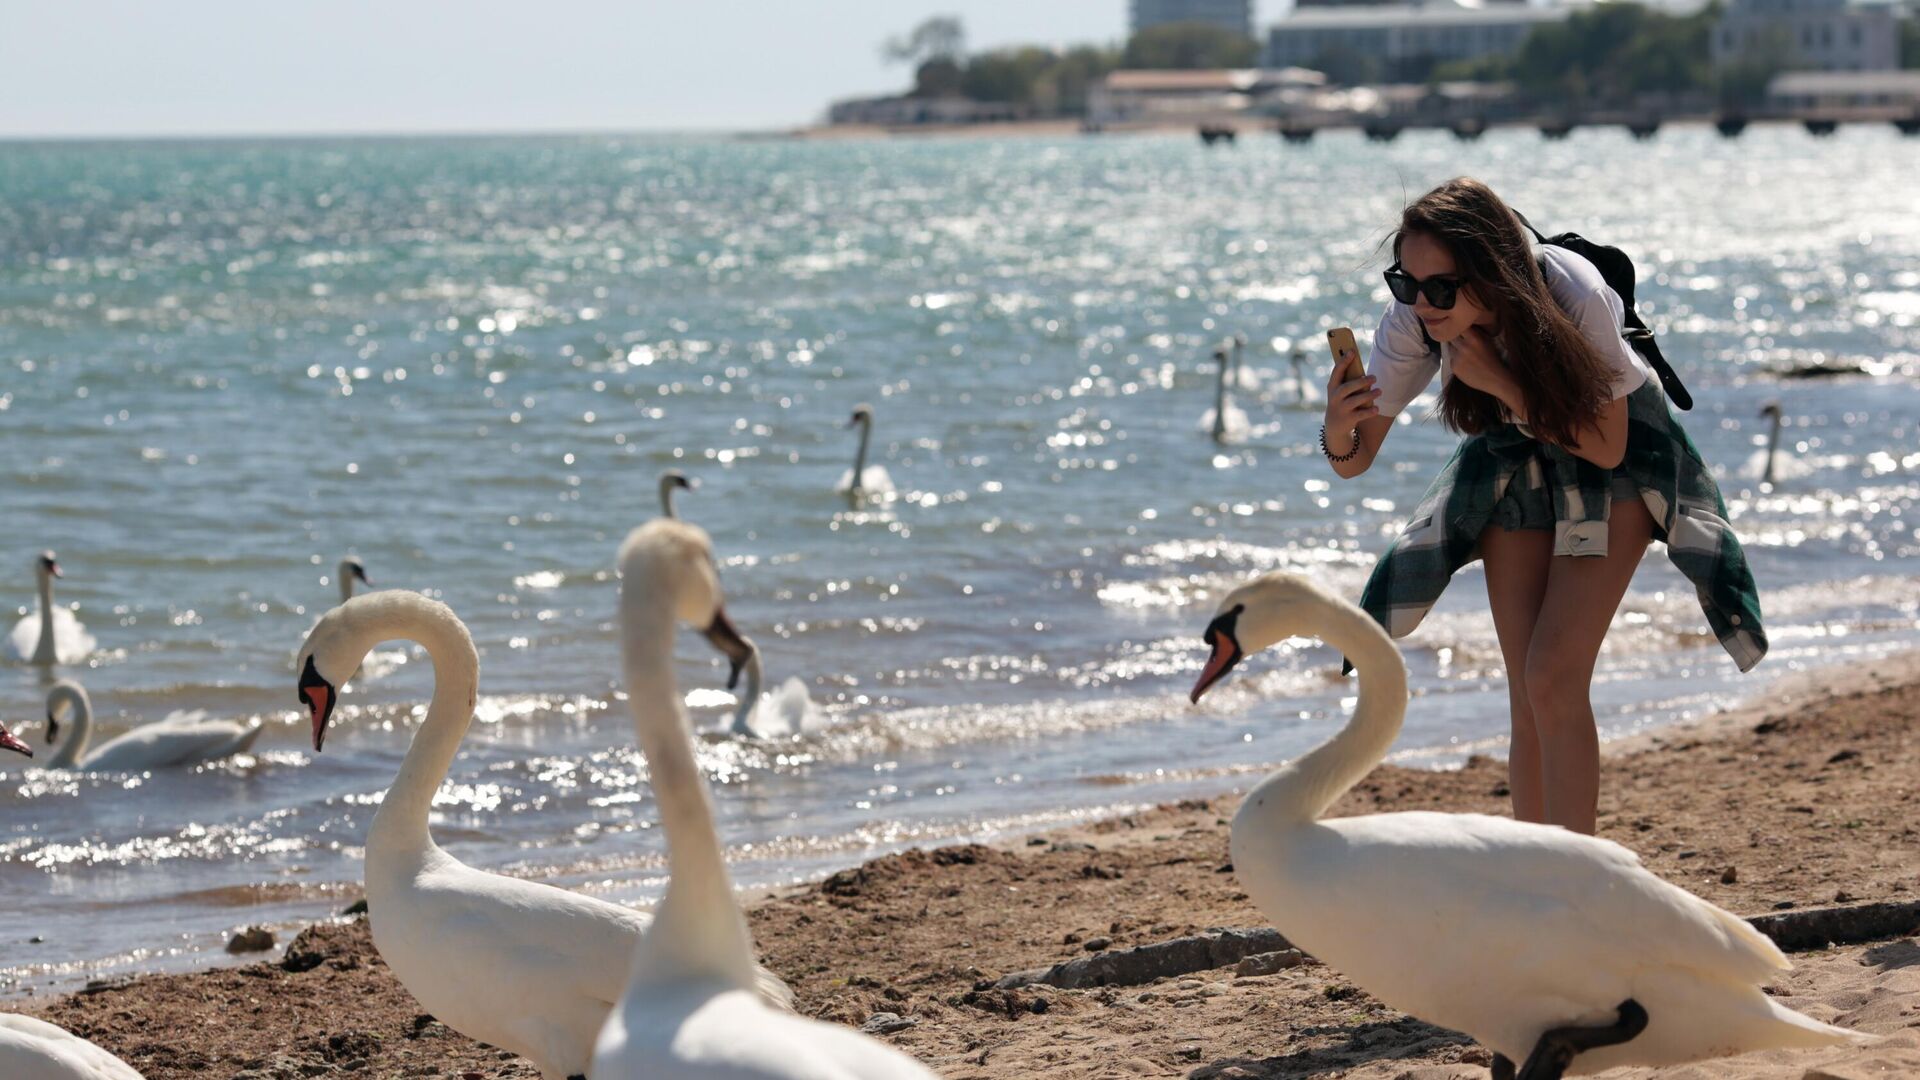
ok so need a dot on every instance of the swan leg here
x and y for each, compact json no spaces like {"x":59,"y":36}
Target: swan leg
{"x":1559,"y":1046}
{"x":1502,"y":1067}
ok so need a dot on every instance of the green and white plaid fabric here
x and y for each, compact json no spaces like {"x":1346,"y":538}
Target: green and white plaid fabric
{"x":1689,"y":516}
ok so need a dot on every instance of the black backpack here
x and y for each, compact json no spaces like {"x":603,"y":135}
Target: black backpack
{"x":1617,"y":269}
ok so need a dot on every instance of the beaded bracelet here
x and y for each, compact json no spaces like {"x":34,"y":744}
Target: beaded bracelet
{"x":1349,"y":455}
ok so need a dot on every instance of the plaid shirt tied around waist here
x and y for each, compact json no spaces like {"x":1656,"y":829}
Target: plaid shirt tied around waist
{"x":1689,"y":516}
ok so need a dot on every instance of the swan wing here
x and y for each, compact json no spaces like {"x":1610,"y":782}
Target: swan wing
{"x":33,"y":1049}
{"x":536,"y":932}
{"x":25,"y":637}
{"x":1565,"y":900}
{"x":171,"y":742}
{"x":71,"y":642}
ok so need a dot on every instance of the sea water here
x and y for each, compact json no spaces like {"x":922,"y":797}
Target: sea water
{"x":224,"y":365}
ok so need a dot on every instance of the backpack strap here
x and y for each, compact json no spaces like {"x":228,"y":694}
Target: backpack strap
{"x":1634,"y":330}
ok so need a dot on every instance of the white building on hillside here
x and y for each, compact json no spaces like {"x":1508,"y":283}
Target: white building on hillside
{"x":1234,"y":15}
{"x":1816,"y":35}
{"x":1398,"y":40}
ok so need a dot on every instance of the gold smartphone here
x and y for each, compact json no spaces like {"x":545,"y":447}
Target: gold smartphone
{"x":1346,"y":354}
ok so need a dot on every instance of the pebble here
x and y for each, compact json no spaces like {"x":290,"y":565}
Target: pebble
{"x":252,"y":939}
{"x":1097,"y":944}
{"x":886,"y":1023}
{"x":1729,"y":876}
{"x":1268,"y":963}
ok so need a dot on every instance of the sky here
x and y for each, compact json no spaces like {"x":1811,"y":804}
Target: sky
{"x":94,"y":68}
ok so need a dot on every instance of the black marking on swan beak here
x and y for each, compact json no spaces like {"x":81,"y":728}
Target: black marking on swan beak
{"x":1222,"y":639}
{"x":728,"y":640}
{"x":318,"y":695}
{"x":53,"y":728}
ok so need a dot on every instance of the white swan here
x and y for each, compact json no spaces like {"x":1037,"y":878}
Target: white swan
{"x":1244,"y":377}
{"x":671,"y":480}
{"x":865,"y":481}
{"x":518,"y":964}
{"x":689,"y":1010}
{"x":179,"y":739}
{"x":1225,"y":421}
{"x":46,"y":640}
{"x":351,"y":569}
{"x":36,"y":1050}
{"x":786,"y":711}
{"x":1767,"y":466}
{"x":1510,"y":932}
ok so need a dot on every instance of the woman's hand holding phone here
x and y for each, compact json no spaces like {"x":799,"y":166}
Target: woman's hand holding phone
{"x":1351,"y":392}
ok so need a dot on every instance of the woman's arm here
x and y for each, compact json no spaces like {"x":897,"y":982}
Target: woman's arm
{"x":1401,"y":367}
{"x":1370,"y":428}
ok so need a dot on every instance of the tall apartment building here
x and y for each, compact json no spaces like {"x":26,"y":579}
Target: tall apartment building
{"x":1809,"y":35}
{"x":1234,"y":15}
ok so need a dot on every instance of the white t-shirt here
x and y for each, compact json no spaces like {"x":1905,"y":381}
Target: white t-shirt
{"x":1404,"y":366}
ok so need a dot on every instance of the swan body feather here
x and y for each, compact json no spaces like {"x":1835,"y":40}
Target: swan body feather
{"x":33,"y":1049}
{"x":1498,"y":928}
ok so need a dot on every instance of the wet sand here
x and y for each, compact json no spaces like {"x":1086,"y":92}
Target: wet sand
{"x":1808,"y":798}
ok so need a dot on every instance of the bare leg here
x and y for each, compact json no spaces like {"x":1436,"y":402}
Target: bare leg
{"x":1582,"y":596}
{"x":1516,"y":564}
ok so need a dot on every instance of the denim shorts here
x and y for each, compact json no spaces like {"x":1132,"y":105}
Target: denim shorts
{"x":1527,"y":504}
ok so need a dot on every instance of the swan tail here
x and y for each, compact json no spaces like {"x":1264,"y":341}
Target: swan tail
{"x":246,"y":741}
{"x":1691,"y":1018}
{"x":773,"y":990}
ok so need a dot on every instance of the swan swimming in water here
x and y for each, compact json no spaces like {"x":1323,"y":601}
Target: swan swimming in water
{"x":1768,"y":466}
{"x":670,"y":481}
{"x":1542,"y":944}
{"x":33,"y":1049}
{"x":47,"y":640}
{"x":865,"y":481}
{"x":1225,"y":421}
{"x":180,"y":739}
{"x":351,"y":569}
{"x":689,"y":1011}
{"x":522,"y":965}
{"x":787,"y":711}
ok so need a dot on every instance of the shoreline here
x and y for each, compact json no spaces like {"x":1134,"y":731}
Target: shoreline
{"x":1802,"y":796}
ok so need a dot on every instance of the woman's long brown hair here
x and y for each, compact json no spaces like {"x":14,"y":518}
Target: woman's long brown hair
{"x":1562,"y":377}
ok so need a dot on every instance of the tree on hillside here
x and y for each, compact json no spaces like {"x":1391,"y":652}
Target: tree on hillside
{"x":1070,"y":79}
{"x":1188,"y":46}
{"x":1910,"y":41}
{"x":942,"y":37}
{"x":1006,"y":74}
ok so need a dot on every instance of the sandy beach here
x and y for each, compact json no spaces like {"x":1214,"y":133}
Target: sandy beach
{"x":1807,"y":798}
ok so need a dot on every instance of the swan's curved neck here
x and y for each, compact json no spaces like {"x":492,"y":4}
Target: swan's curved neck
{"x":666,"y":497}
{"x":1220,"y":399}
{"x":43,"y":650}
{"x":860,"y":455}
{"x":400,"y":825}
{"x":1302,"y":789}
{"x":1773,"y":446}
{"x":346,"y":582}
{"x":698,"y":929}
{"x":80,"y":725}
{"x":749,"y":695}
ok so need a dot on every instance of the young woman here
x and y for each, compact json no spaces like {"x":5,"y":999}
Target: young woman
{"x":1570,"y":465}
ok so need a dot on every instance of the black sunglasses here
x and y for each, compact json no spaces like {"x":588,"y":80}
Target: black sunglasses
{"x":1441,"y":291}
